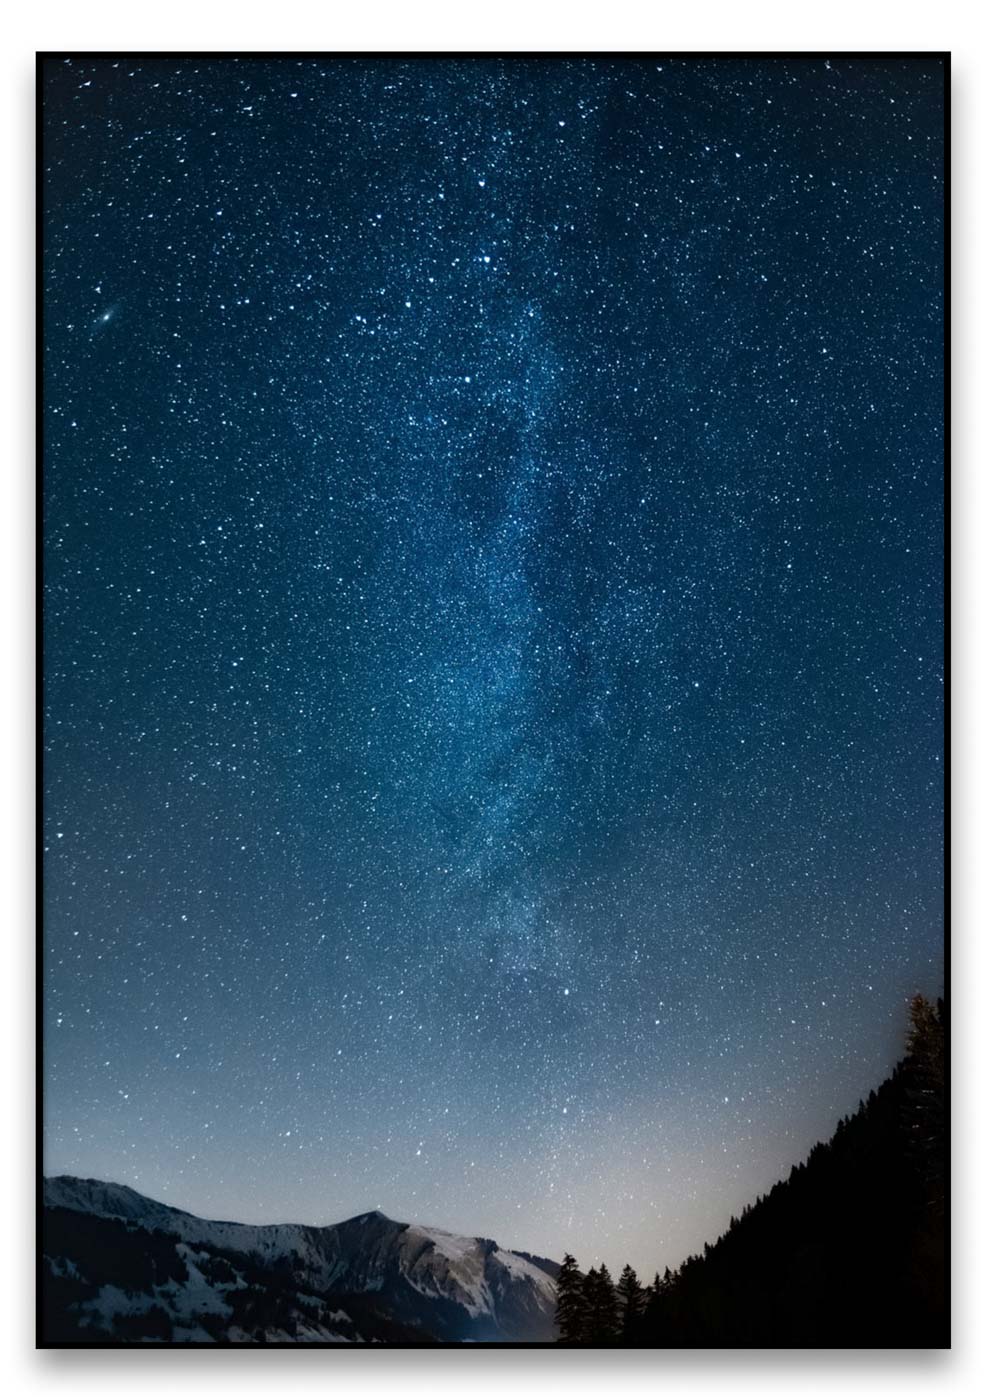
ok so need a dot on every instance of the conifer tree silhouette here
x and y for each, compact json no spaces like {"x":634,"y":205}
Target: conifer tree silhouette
{"x":631,"y":1300}
{"x":571,"y":1305}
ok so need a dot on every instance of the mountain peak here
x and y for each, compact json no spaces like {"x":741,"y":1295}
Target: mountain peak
{"x":451,"y":1287}
{"x":369,"y":1217}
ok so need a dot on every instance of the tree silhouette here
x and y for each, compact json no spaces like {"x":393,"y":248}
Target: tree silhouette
{"x":632,"y":1299}
{"x":602,"y":1307}
{"x":926,"y":1095}
{"x":571,"y":1305}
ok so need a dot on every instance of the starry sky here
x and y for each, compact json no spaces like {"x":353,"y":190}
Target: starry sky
{"x":493,"y":629}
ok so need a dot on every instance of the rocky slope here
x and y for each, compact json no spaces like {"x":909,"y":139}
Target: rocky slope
{"x":116,"y":1262}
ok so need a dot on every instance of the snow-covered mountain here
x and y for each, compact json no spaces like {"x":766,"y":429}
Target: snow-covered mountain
{"x":218,"y":1281}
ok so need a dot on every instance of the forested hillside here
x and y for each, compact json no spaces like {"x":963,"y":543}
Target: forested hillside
{"x":848,"y":1251}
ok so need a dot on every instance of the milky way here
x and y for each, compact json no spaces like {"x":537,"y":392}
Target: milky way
{"x":493,"y":704}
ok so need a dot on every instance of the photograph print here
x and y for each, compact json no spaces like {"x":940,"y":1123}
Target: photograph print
{"x":492,"y":585}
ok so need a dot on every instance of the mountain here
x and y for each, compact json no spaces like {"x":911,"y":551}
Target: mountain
{"x":120,"y":1268}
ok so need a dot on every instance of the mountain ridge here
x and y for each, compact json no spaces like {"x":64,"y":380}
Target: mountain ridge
{"x":451,"y":1287}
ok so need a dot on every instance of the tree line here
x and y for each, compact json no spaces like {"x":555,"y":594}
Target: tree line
{"x":849,"y":1250}
{"x":591,"y":1310}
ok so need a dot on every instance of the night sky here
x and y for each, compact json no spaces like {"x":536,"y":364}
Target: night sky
{"x":493,"y":693}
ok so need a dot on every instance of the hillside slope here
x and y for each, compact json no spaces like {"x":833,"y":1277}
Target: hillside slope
{"x":113,"y":1258}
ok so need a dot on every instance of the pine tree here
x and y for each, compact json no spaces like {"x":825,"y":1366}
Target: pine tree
{"x":589,"y":1299}
{"x":609,"y":1306}
{"x":632,"y":1301}
{"x":602,"y":1307}
{"x":657,"y":1296}
{"x":571,"y":1306}
{"x":926,"y":1095}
